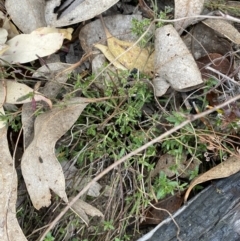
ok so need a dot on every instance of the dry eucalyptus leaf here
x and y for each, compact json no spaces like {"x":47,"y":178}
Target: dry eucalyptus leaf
{"x":27,"y":14}
{"x":3,"y":36}
{"x":76,"y":181}
{"x":56,"y":75}
{"x":186,"y":8}
{"x":67,"y":32}
{"x":209,"y":42}
{"x":77,"y":11}
{"x":28,"y":119}
{"x":224,"y":28}
{"x":129,"y":55}
{"x":160,"y":86}
{"x":83,"y":209}
{"x":3,"y":48}
{"x":27,"y":47}
{"x":16,"y":93}
{"x":108,"y":75}
{"x":40,"y":168}
{"x":224,"y":169}
{"x":164,"y":164}
{"x":170,"y":166}
{"x":118,"y":25}
{"x":173,"y":61}
{"x":9,"y":228}
{"x":107,"y":53}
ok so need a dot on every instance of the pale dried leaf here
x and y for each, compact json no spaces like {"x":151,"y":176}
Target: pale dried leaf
{"x":41,"y":170}
{"x":160,"y":86}
{"x":78,"y":182}
{"x":9,"y":228}
{"x":27,"y":14}
{"x":3,"y":48}
{"x":94,"y":190}
{"x":28,"y":119}
{"x":67,"y":33}
{"x":169,"y":164}
{"x":83,"y":209}
{"x":129,"y":55}
{"x":57,"y":75}
{"x":173,"y":61}
{"x":224,"y":169}
{"x":186,"y":8}
{"x":107,"y":53}
{"x":224,"y":28}
{"x":27,"y":47}
{"x":76,"y":12}
{"x":13,"y":92}
{"x":119,"y":25}
{"x":3,"y":36}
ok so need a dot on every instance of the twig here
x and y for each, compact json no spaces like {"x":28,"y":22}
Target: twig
{"x":142,"y":148}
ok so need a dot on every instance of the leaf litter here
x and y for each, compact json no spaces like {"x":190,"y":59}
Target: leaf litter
{"x":41,"y":170}
{"x":39,"y":157}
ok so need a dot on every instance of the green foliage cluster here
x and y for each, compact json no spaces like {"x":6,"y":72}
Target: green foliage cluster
{"x":112,"y":128}
{"x":139,"y":27}
{"x":231,"y":8}
{"x":12,"y":119}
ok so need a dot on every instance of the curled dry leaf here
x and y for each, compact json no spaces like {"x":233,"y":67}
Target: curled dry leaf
{"x":27,"y":47}
{"x":16,"y":93}
{"x":118,"y":25}
{"x":186,"y":8}
{"x":27,"y":15}
{"x":9,"y":228}
{"x":107,"y":53}
{"x":224,"y":28}
{"x":67,"y":33}
{"x":40,"y":168}
{"x":56,"y":75}
{"x":76,"y":11}
{"x":224,"y":169}
{"x":183,"y":167}
{"x":174,"y":63}
{"x":127,"y":54}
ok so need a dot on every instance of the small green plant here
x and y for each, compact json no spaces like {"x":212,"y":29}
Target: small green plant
{"x":113,"y":128}
{"x":222,"y":5}
{"x":108,"y":225}
{"x":140,"y":26}
{"x":12,"y":119}
{"x":49,"y":237}
{"x":164,"y":186}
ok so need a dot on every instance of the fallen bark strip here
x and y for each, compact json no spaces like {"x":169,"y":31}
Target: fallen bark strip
{"x":213,"y":215}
